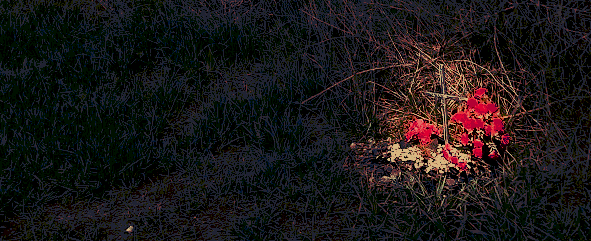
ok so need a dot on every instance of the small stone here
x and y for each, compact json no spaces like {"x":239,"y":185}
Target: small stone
{"x":403,"y":144}
{"x":453,"y":171}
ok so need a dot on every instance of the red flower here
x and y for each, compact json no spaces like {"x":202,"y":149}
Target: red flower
{"x":464,"y":139}
{"x":481,"y":109}
{"x":422,"y":130}
{"x":488,"y":129}
{"x":435,"y":130}
{"x":477,"y":152}
{"x":472,"y":103}
{"x":492,"y":108}
{"x":494,"y":127}
{"x":462,"y":165}
{"x":478,"y":123}
{"x":469,"y":125}
{"x":459,"y":117}
{"x":479,"y":92}
{"x":417,"y":124}
{"x":425,"y":136}
{"x":446,"y":155}
{"x":498,"y":124}
{"x":505,"y":139}
{"x":493,"y":155}
{"x":478,"y":114}
{"x":478,"y":144}
{"x":447,"y":147}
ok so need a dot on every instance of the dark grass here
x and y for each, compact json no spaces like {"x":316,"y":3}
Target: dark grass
{"x":79,"y":118}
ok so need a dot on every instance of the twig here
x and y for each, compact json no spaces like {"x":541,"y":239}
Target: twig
{"x":457,"y":98}
{"x":391,"y":66}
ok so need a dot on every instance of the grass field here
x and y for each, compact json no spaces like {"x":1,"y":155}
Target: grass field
{"x":248,"y":109}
